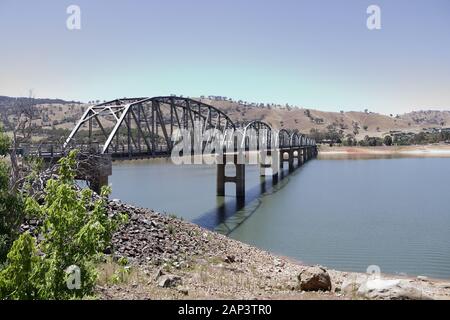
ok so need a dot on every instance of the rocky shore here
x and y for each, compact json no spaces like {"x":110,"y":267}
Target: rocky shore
{"x":172,"y":259}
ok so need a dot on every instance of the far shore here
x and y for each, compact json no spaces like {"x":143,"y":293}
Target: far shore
{"x":431,"y":150}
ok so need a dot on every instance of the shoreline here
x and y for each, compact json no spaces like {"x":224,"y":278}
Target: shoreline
{"x":433,"y":150}
{"x":173,"y":259}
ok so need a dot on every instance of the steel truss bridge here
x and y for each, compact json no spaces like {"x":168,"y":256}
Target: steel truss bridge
{"x":139,"y":128}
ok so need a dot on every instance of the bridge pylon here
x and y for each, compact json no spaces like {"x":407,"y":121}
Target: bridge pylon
{"x":238,"y":179}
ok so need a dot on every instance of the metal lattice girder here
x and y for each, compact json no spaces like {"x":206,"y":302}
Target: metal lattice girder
{"x":133,"y":126}
{"x":147,"y":123}
{"x":284,"y":138}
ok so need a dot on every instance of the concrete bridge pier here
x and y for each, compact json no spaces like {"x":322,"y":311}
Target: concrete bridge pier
{"x":300,"y":157}
{"x":305,"y":154}
{"x":265,"y":164}
{"x":297,"y":155}
{"x":291,"y":160}
{"x":269,"y":162}
{"x":281,"y":159}
{"x":238,"y":179}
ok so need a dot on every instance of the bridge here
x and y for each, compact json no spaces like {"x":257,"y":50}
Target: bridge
{"x":142,"y":128}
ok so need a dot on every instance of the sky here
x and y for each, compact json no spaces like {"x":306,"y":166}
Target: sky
{"x":310,"y":53}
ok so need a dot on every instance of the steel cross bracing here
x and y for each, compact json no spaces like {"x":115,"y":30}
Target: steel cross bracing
{"x":146,"y":126}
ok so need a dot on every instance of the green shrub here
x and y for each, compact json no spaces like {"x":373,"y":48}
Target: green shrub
{"x":17,"y":280}
{"x":4,"y":143}
{"x":75,"y":231}
{"x":11,"y":213}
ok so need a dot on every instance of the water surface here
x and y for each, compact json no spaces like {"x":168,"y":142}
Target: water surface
{"x":345,"y":214}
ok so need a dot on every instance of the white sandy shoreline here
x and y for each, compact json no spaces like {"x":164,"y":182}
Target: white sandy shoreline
{"x":422,"y":151}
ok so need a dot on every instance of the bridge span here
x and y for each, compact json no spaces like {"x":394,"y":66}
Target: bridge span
{"x":143,"y":128}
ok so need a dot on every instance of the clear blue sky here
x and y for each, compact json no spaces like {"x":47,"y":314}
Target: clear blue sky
{"x":315,"y":53}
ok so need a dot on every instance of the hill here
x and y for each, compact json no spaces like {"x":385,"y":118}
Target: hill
{"x":357,"y":123}
{"x":61,"y":114}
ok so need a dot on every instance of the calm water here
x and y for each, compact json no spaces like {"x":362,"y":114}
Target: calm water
{"x":345,"y":214}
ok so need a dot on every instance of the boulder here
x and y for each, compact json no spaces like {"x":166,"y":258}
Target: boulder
{"x":390,"y":290}
{"x":169,"y":281}
{"x":314,"y":279}
{"x":230,"y":259}
{"x":351,"y":286}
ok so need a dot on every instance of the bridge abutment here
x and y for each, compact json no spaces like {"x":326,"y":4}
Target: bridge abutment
{"x":97,"y":183}
{"x":96,"y":170}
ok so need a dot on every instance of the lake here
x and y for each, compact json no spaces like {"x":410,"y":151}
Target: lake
{"x":342,"y":213}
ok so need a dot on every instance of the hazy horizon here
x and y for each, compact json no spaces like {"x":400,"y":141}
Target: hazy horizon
{"x":312,"y":54}
{"x":236,"y":100}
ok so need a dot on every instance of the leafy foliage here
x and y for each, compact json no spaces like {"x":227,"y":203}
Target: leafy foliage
{"x":75,"y":231}
{"x":387,"y":140}
{"x":4,"y":143}
{"x":18,"y":278}
{"x":11,"y":206}
{"x":11,"y":213}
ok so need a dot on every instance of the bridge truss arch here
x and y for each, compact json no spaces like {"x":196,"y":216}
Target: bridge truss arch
{"x":144,"y":126}
{"x":257,"y":132}
{"x":284,"y":138}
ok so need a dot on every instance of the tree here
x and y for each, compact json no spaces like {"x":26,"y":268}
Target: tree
{"x":11,"y":212}
{"x":4,"y":143}
{"x":22,"y":266}
{"x":387,"y":140}
{"x":75,"y":231}
{"x":11,"y":205}
{"x":20,"y":122}
{"x":307,"y":113}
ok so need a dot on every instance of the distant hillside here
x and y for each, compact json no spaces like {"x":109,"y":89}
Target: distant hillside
{"x":61,"y":114}
{"x":357,"y":123}
{"x":53,"y":113}
{"x":8,"y":101}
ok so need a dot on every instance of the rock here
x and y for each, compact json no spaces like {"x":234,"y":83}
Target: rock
{"x":443,"y":285}
{"x":169,"y":280}
{"x":314,"y":279}
{"x":390,"y":290}
{"x":351,"y":286}
{"x":229,"y":259}
{"x":159,"y":273}
{"x":279,"y":263}
{"x":422,"y":278}
{"x":183,"y":291}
